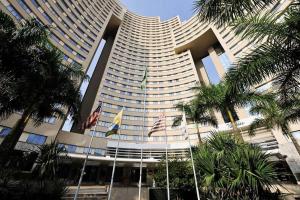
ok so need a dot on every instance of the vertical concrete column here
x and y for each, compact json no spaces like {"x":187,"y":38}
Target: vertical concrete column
{"x":221,"y":72}
{"x":204,"y":77}
{"x":217,"y":62}
{"x":287,"y":148}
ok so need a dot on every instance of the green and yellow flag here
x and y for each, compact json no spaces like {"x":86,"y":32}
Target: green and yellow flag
{"x":113,"y":129}
{"x":144,"y":81}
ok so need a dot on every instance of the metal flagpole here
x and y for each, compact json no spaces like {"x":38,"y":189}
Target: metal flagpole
{"x":114,"y":166}
{"x":141,"y":164}
{"x":190,"y":146}
{"x":85,"y":161}
{"x":167,"y":167}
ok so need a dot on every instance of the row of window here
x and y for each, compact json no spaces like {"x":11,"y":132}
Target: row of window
{"x":152,"y":68}
{"x":67,"y":47}
{"x":141,"y":37}
{"x":148,"y":55}
{"x":23,"y":4}
{"x":145,"y":44}
{"x":73,"y":33}
{"x":179,"y":86}
{"x":149,"y":75}
{"x":158,"y":50}
{"x":148,"y":43}
{"x":133,"y":127}
{"x":119,"y":107}
{"x":82,"y":150}
{"x":146,"y":51}
{"x":153,"y":138}
{"x":143,"y":62}
{"x":183,"y":79}
{"x":164,"y":102}
{"x":127,"y":93}
{"x":32,"y":138}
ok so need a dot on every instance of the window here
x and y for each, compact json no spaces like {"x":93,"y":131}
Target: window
{"x":99,"y":152}
{"x":14,"y":12}
{"x":4,"y":132}
{"x":71,"y":148}
{"x":36,"y":139}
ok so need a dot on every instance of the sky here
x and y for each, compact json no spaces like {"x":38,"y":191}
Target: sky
{"x":166,"y":9}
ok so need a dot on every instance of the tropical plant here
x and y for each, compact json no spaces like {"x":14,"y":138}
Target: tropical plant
{"x":48,"y":160}
{"x":220,"y":98}
{"x":43,"y":85}
{"x":229,"y":169}
{"x":180,"y":176}
{"x":276,"y":114}
{"x":194,"y":115}
{"x":224,"y":11}
{"x":276,"y":58}
{"x":33,"y":190}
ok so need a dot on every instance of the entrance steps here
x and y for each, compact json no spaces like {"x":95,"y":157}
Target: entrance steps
{"x":87,"y":193}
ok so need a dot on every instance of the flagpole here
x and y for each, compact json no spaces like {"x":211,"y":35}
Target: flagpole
{"x":167,"y":167}
{"x":141,"y":164}
{"x":85,"y":161}
{"x":114,"y":166}
{"x":192,"y":159}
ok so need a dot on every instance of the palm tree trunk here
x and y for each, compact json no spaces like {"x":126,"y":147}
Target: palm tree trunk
{"x":12,"y":138}
{"x":234,"y":125}
{"x":198,"y":133}
{"x":295,"y":143}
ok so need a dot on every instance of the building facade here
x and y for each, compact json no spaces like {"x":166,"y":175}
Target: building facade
{"x":176,"y":54}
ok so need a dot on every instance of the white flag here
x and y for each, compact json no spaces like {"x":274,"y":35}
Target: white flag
{"x":183,"y":126}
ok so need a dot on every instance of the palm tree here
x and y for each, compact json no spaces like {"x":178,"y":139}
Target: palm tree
{"x":221,"y":98}
{"x":224,"y":11}
{"x":233,"y":170}
{"x":48,"y":160}
{"x":217,"y":97}
{"x":194,"y":115}
{"x":43,"y":85}
{"x":275,"y":113}
{"x":276,"y":58}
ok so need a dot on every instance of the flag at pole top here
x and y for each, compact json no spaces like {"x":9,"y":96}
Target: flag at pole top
{"x":113,"y":129}
{"x":92,"y":119}
{"x":158,"y":125}
{"x":144,"y":81}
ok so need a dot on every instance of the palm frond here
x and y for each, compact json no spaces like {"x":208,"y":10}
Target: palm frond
{"x":177,"y":121}
{"x":32,"y":33}
{"x":207,"y":119}
{"x":262,"y":63}
{"x":7,"y":24}
{"x":257,"y":123}
{"x":224,"y":11}
{"x":259,"y":26}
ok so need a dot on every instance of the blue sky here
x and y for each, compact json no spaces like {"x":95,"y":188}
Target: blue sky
{"x":166,"y":9}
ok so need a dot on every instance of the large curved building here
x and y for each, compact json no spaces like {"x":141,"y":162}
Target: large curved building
{"x":176,"y":54}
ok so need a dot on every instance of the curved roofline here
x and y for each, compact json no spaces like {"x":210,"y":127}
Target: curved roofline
{"x":153,"y":17}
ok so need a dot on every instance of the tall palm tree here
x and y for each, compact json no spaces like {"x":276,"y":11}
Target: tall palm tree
{"x":217,"y":97}
{"x":224,"y":11}
{"x":233,"y":170}
{"x":43,"y":85}
{"x":276,"y":58}
{"x":194,"y":115}
{"x":275,"y":113}
{"x":221,"y":98}
{"x":15,"y":43}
